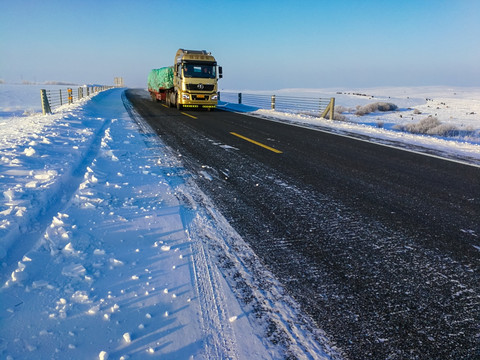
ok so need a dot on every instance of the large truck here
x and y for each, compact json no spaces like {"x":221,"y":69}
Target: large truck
{"x":191,"y":82}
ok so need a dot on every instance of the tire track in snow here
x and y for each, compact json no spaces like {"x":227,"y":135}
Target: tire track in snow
{"x":220,"y":342}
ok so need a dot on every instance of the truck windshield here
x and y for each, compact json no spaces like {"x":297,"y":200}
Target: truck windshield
{"x":199,"y":71}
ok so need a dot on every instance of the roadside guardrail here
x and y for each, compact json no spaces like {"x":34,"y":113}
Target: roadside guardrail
{"x":52,"y":99}
{"x":312,"y":106}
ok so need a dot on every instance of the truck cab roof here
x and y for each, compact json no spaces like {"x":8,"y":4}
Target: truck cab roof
{"x":193,"y":55}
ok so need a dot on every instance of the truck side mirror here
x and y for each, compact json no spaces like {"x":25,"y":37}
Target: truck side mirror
{"x":220,"y":73}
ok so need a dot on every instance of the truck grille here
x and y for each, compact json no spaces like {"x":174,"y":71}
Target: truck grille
{"x":200,"y":87}
{"x":199,"y":97}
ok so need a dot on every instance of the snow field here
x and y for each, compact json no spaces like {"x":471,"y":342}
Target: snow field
{"x":32,"y":176}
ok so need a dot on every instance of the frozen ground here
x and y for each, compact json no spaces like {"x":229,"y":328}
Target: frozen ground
{"x":108,"y":248}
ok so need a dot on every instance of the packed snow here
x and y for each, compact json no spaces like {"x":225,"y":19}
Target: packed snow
{"x":109,"y":249}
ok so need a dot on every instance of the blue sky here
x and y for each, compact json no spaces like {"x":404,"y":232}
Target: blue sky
{"x":262,"y":45}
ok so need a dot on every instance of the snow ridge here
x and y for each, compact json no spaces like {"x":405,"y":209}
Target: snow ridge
{"x":40,"y":193}
{"x":221,"y":340}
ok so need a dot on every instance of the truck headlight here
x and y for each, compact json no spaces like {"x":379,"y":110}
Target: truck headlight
{"x":214,"y":97}
{"x":185,"y":97}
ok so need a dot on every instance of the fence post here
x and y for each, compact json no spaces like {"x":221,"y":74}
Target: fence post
{"x":70,"y":97}
{"x":239,"y":98}
{"x":330,"y":108}
{"x":45,"y":105}
{"x":80,"y":93}
{"x":60,"y":91}
{"x":273,"y":102}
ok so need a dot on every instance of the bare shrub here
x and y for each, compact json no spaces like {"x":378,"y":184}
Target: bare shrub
{"x":341,"y":109}
{"x":339,"y":117}
{"x":374,"y":107}
{"x":443,"y":130}
{"x":429,"y":125}
{"x":424,"y":126}
{"x":383,"y":106}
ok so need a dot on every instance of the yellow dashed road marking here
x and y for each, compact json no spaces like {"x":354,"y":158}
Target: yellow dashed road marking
{"x":257,"y":143}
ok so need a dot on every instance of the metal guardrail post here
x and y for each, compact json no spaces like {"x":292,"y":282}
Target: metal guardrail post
{"x":239,"y":98}
{"x":273,"y":102}
{"x":45,"y":105}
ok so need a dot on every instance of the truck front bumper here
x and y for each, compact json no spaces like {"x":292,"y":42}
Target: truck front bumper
{"x":199,"y":100}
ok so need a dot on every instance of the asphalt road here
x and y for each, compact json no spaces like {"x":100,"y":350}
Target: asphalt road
{"x":381,"y":247}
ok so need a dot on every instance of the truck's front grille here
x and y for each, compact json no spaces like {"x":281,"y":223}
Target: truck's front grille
{"x":200,"y":87}
{"x":199,"y":97}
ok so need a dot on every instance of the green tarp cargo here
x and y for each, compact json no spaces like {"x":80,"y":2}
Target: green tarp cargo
{"x":160,"y":78}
